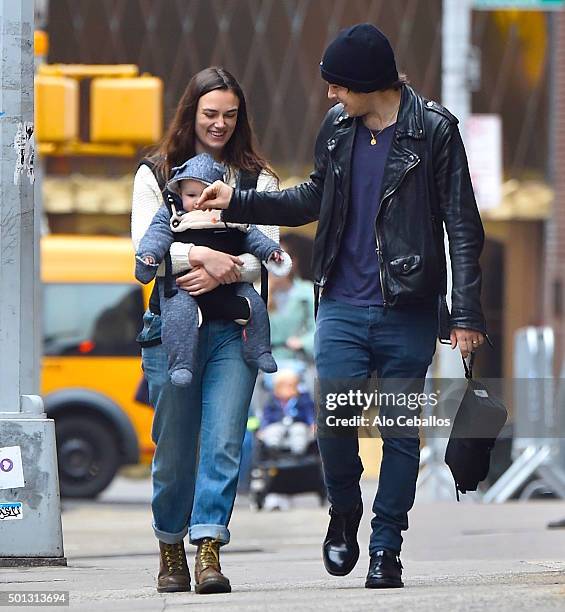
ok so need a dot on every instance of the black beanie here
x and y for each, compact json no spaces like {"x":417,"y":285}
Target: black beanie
{"x":361,"y":59}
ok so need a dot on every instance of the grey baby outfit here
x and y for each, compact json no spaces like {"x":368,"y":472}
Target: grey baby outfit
{"x":181,"y":313}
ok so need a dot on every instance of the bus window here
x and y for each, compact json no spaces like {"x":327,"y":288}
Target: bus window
{"x":91,"y":319}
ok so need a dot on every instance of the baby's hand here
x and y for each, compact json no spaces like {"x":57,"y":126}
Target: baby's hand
{"x":279,"y":263}
{"x":148,"y":259}
{"x":276,"y":256}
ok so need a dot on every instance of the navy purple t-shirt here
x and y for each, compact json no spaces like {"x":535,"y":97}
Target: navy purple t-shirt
{"x":354,"y":277}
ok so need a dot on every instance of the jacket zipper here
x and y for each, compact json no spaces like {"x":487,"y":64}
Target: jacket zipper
{"x":380,"y":256}
{"x":379,"y":248}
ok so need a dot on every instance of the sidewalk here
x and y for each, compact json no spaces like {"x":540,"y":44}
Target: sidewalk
{"x":456,"y":557}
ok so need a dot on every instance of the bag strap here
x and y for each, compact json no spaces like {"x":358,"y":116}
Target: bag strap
{"x":248,"y":180}
{"x":469,"y":368}
{"x":316,"y":300}
{"x":151,"y":163}
{"x":170,"y":289}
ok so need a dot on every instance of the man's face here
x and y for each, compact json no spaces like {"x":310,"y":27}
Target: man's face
{"x":190,"y":191}
{"x":354,"y":104}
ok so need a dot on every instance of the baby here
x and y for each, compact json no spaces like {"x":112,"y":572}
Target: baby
{"x":181,"y":313}
{"x":288,"y":417}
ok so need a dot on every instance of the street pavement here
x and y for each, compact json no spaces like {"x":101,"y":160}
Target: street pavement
{"x":465,"y":556}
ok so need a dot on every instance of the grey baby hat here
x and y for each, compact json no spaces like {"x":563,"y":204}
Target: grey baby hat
{"x":203,"y":168}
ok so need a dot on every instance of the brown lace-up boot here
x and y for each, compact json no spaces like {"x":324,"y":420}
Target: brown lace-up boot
{"x":207,"y":569}
{"x":173,"y":569}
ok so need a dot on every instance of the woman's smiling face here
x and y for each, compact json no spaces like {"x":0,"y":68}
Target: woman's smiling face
{"x":216,"y":118}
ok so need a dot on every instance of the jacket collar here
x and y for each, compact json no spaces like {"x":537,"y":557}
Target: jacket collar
{"x":341,"y":116}
{"x":410,"y":115}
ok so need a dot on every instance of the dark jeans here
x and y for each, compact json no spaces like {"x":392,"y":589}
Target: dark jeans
{"x":352,"y":342}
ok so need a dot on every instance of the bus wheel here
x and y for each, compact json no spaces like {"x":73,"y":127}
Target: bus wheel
{"x":88,"y":455}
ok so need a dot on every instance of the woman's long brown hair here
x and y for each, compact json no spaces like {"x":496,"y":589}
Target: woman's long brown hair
{"x":178,"y":144}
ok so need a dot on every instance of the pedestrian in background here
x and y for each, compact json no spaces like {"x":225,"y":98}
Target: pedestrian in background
{"x":390,"y":172}
{"x":199,"y":429}
{"x":291,"y":313}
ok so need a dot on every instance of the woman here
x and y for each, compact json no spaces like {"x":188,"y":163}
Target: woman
{"x":291,"y":308}
{"x":199,"y":429}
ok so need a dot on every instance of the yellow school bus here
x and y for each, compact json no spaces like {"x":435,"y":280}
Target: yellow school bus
{"x":92,"y":312}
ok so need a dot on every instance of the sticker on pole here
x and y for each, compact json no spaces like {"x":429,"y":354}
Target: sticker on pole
{"x":24,"y":144}
{"x":11,"y":470}
{"x":11,"y":511}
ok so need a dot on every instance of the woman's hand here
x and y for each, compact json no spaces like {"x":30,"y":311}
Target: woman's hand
{"x":217,"y":195}
{"x":223,"y":267}
{"x":197,"y":281}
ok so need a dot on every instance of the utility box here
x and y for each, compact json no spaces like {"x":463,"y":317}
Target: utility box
{"x":56,"y":108}
{"x":126,"y":110}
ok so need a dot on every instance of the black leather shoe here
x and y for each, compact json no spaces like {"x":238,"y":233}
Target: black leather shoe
{"x":340,"y":549}
{"x":385,"y":571}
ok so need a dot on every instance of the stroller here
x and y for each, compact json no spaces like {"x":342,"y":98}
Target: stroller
{"x":279,"y":469}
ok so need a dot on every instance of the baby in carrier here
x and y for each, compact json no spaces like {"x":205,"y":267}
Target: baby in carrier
{"x":181,"y":313}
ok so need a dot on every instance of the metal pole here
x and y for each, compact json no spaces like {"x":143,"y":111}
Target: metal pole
{"x":30,"y":529}
{"x":456,"y":96}
{"x":456,"y":51}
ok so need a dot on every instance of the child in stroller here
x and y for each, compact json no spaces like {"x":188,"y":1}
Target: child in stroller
{"x":287,"y":422}
{"x":286,"y":459}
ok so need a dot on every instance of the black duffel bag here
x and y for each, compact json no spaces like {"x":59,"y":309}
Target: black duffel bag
{"x":476,"y":426}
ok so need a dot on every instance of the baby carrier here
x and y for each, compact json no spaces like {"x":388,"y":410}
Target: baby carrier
{"x":246,"y":180}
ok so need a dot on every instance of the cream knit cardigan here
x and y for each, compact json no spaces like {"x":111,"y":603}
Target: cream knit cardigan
{"x":147,"y":199}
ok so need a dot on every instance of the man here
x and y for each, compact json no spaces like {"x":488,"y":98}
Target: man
{"x":390,"y":172}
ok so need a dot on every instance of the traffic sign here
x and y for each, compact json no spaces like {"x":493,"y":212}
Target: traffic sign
{"x":527,"y":5}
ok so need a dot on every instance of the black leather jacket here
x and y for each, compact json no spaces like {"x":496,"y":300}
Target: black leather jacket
{"x":426,"y":185}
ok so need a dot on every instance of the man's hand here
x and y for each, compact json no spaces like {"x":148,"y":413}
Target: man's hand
{"x":468,"y":340}
{"x":197,"y":281}
{"x":217,"y":195}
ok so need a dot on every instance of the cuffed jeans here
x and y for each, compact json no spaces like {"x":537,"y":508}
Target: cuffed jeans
{"x":194,"y":485}
{"x":351,"y":342}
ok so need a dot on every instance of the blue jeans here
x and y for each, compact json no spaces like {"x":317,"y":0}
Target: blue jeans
{"x":151,"y":357}
{"x":199,"y":433}
{"x":351,"y":342}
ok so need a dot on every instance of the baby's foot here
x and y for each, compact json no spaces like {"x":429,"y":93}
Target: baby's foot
{"x":266,"y":363}
{"x":181,"y":377}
